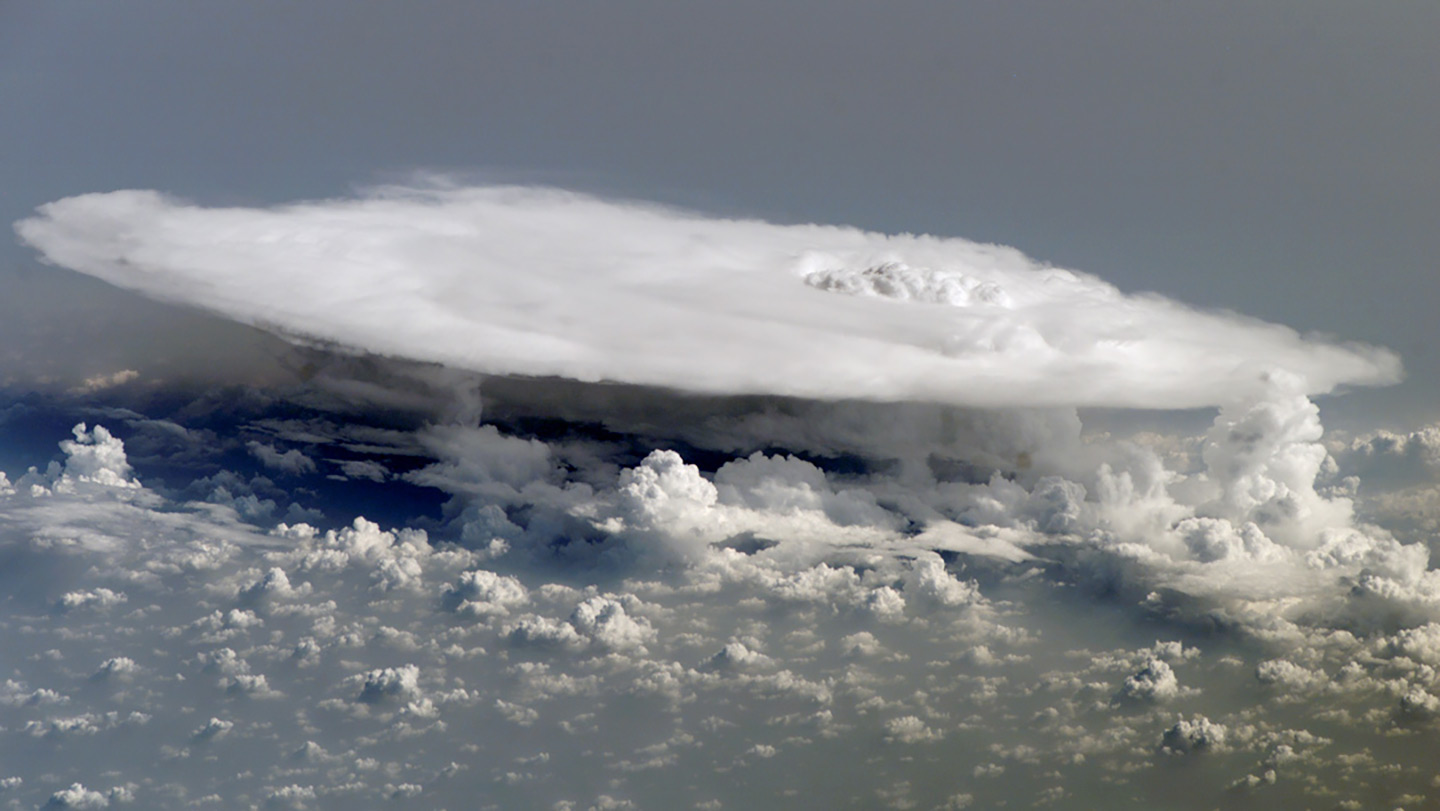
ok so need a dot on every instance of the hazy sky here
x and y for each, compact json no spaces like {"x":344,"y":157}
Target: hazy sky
{"x":1275,"y":159}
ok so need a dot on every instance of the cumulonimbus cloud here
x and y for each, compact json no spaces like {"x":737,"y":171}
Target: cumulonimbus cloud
{"x":541,"y":282}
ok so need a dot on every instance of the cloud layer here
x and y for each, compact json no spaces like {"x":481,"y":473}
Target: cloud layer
{"x":1080,"y":644}
{"x":638,"y":595}
{"x":509,"y":280}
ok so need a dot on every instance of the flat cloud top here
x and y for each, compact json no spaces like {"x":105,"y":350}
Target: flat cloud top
{"x":526,"y":281}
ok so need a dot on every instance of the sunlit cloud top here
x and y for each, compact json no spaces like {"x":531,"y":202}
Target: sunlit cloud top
{"x":526,"y":281}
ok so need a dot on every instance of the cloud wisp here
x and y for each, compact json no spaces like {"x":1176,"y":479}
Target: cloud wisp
{"x":541,"y":282}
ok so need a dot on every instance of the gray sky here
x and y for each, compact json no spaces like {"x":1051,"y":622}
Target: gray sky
{"x":1276,"y":160}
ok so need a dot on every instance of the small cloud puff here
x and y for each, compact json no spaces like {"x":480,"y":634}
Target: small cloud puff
{"x":77,"y":796}
{"x":98,"y":598}
{"x":483,"y":593}
{"x":388,"y":684}
{"x":213,"y":729}
{"x":910,"y":729}
{"x":735,"y":656}
{"x":116,"y":667}
{"x":1155,"y":682}
{"x":1197,"y":734}
{"x":274,"y":584}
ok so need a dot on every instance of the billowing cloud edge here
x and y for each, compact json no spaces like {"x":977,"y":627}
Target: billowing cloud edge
{"x":542,"y":282}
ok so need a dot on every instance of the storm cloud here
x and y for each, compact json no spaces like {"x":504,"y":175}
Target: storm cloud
{"x":542,"y":282}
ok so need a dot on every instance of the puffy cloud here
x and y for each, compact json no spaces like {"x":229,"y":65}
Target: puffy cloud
{"x":665,"y":508}
{"x":735,"y":656}
{"x":275,"y":583}
{"x":604,"y":620}
{"x":1217,"y":539}
{"x":1391,"y":460}
{"x":77,"y":796}
{"x":776,"y":484}
{"x":291,"y":796}
{"x":117,"y":667}
{"x":97,"y":456}
{"x":1289,"y":677}
{"x":1392,"y":478}
{"x":389,"y":683}
{"x":483,"y":593}
{"x":1156,"y":681}
{"x":666,"y":498}
{"x":99,"y":598}
{"x":1421,"y":644}
{"x":74,"y":725}
{"x":213,"y":729}
{"x":862,"y":643}
{"x":1198,"y":734}
{"x":541,"y":631}
{"x":1419,"y":705}
{"x":394,"y":560}
{"x":85,"y":725}
{"x":541,"y":282}
{"x":885,"y":603}
{"x":910,"y":729}
{"x":929,"y":580}
{"x":14,"y":693}
{"x":1265,"y":455}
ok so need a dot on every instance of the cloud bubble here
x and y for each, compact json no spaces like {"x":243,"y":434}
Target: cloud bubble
{"x":540,"y":282}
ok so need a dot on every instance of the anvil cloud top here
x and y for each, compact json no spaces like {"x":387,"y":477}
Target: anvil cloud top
{"x":533,"y":281}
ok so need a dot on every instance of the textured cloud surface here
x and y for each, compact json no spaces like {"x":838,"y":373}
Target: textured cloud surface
{"x":539,"y":282}
{"x":594,"y":628}
{"x":373,"y":586}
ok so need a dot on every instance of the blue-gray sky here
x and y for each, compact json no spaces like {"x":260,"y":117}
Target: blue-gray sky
{"x":1275,"y":159}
